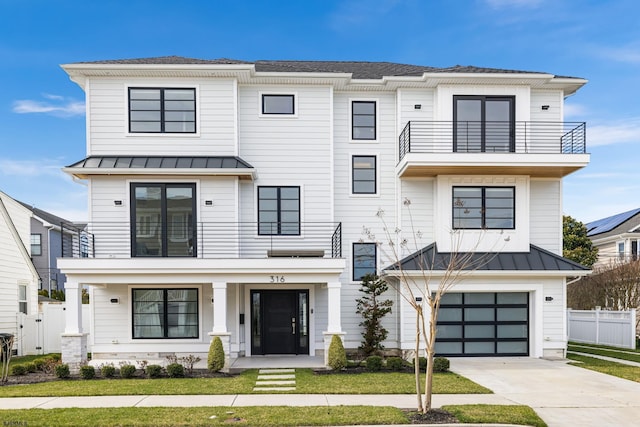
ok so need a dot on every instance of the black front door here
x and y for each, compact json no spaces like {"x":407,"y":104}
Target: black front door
{"x":279,"y":322}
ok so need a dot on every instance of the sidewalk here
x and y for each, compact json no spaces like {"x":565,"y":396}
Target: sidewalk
{"x":607,"y":358}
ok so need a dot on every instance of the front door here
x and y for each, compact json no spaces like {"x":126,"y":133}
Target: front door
{"x":279,"y":322}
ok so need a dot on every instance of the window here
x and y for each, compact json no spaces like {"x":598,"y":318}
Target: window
{"x":163,"y":220}
{"x":621,"y":253}
{"x":165,"y":313}
{"x":22,"y":299}
{"x":36,"y":244}
{"x":364,"y":260}
{"x":483,"y":124}
{"x":363,"y":175}
{"x":162,"y":110}
{"x":483,"y":207}
{"x":278,"y":211}
{"x":278,"y":104}
{"x":363,"y":120}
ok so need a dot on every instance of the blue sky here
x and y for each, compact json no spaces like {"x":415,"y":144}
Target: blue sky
{"x":42,"y":112}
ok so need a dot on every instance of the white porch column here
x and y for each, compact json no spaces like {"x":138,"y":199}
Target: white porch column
{"x":334,"y":322}
{"x":74,"y":341}
{"x":219,"y":308}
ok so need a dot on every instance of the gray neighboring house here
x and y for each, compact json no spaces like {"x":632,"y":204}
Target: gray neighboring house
{"x":616,"y":237}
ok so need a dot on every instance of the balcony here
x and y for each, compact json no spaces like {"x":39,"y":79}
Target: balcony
{"x":541,"y":149}
{"x":209,"y":240}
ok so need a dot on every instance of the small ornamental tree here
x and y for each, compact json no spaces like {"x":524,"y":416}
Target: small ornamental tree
{"x":373,"y":308}
{"x":576,"y":246}
{"x":215,"y":361}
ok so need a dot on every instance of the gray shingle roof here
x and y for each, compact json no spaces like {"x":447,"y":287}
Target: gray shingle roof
{"x":537,"y":259}
{"x":358,"y":69}
{"x":48,"y":217}
{"x":162,"y":162}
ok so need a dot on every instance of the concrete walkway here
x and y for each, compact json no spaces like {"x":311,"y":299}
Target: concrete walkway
{"x":562,"y":395}
{"x":610,"y":359}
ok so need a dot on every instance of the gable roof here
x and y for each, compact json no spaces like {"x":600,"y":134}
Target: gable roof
{"x":537,"y":259}
{"x":609,"y":223}
{"x":44,"y":215}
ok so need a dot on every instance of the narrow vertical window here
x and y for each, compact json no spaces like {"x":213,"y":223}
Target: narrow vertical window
{"x":22,"y":299}
{"x":363,"y":120}
{"x":36,"y":244}
{"x":363,"y":174}
{"x":364,"y":260}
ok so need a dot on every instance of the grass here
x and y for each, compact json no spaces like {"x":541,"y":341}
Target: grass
{"x":618,"y":353}
{"x":495,"y":414}
{"x":606,"y":367}
{"x":19,"y":360}
{"x":306,"y":383}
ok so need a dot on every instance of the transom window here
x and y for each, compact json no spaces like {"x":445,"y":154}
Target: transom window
{"x":363,"y":178}
{"x":162,"y":110}
{"x":363,"y":120}
{"x":483,"y":207}
{"x":165,"y":313}
{"x":484,"y":124}
{"x":364,"y":260}
{"x":278,"y":104}
{"x":36,"y":244}
{"x":279,"y":211}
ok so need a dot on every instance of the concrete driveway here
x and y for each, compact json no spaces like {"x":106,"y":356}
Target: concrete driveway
{"x":561,"y":394}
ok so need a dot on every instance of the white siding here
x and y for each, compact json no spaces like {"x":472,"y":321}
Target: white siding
{"x":417,"y":213}
{"x":408,"y":99}
{"x":546,"y":214}
{"x":552,"y":98}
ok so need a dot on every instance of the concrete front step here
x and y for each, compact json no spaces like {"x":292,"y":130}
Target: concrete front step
{"x":261,"y":383}
{"x":276,"y":377}
{"x":274,"y":389}
{"x":275,"y":380}
{"x":276,"y":371}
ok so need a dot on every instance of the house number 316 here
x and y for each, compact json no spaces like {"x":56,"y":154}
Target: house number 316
{"x":277,"y":279}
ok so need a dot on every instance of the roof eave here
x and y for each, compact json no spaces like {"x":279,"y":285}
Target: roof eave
{"x":485,"y":273}
{"x":84,"y":173}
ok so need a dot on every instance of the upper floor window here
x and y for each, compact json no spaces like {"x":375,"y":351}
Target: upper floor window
{"x":363,"y":120}
{"x":279,"y":211}
{"x":483,"y":207}
{"x":36,"y":244}
{"x":483,"y":124}
{"x":162,"y":110}
{"x":278,"y":104}
{"x":364,"y":260}
{"x":163,"y":220}
{"x":363,"y":175}
{"x":22,"y":299}
{"x":165,"y":313}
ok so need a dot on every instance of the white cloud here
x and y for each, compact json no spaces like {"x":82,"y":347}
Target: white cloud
{"x":54,"y":105}
{"x":574,"y":110}
{"x":629,"y":54}
{"x":614,"y":133}
{"x":29,"y":168}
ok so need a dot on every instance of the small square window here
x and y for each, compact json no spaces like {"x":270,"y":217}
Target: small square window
{"x":278,"y":104}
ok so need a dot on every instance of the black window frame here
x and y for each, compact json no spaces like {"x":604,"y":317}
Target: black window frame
{"x":165,"y":316}
{"x":353,"y":260}
{"x":375,"y":120}
{"x":456,"y":205}
{"x":163,"y":110}
{"x":483,"y":122}
{"x":277,"y":95}
{"x":193,"y":240}
{"x":280,"y":230}
{"x":353,"y":174}
{"x":36,"y":245}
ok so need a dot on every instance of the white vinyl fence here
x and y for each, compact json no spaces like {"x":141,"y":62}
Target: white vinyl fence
{"x":614,"y":328}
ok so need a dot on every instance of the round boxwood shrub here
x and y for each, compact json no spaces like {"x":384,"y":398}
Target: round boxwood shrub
{"x":373,"y":363}
{"x":215,"y":360}
{"x":39,"y":363}
{"x":395,"y":363}
{"x":31,"y":367}
{"x":422,"y":363}
{"x":175,"y":370}
{"x":18,"y":370}
{"x":127,"y":371}
{"x":108,"y":371}
{"x":337,"y":359}
{"x":87,"y":372}
{"x":62,"y":371}
{"x":440,"y":364}
{"x":153,"y":371}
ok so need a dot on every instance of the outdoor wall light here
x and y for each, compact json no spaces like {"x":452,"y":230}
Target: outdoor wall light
{"x":417,"y":106}
{"x":545,"y":107}
{"x":117,"y":202}
{"x":208,"y":202}
{"x":418,"y":299}
{"x":114,"y":301}
{"x":548,"y":298}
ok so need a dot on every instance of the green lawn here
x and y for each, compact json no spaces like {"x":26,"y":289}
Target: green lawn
{"x":611,"y":368}
{"x":618,"y":353}
{"x":495,"y":414}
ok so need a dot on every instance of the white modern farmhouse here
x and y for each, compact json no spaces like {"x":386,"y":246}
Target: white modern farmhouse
{"x":228,"y":199}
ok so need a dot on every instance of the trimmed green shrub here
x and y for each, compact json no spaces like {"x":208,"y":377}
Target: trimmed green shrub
{"x":337,"y":359}
{"x":215,"y":360}
{"x":18,"y":370}
{"x":31,"y":367}
{"x":108,"y":371}
{"x":153,"y":371}
{"x":422,"y":363}
{"x":87,"y":372}
{"x":373,"y":363}
{"x":440,"y":364}
{"x":395,"y":363}
{"x":55,"y":356}
{"x":175,"y":370}
{"x":62,"y":371}
{"x":127,"y":371}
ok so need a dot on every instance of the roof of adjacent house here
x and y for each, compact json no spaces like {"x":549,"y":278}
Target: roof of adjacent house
{"x":537,"y":259}
{"x":44,"y":215}
{"x":358,"y":69}
{"x":609,"y":223}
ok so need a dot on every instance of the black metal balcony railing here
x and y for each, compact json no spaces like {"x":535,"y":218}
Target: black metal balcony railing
{"x":208,"y":240}
{"x":493,"y":137}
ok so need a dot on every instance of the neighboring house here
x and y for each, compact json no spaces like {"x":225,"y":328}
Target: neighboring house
{"x":18,"y":276}
{"x":616,"y":237}
{"x":228,"y":199}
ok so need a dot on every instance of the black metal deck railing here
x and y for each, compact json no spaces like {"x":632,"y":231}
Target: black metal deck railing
{"x":207,"y":240}
{"x":493,"y":137}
